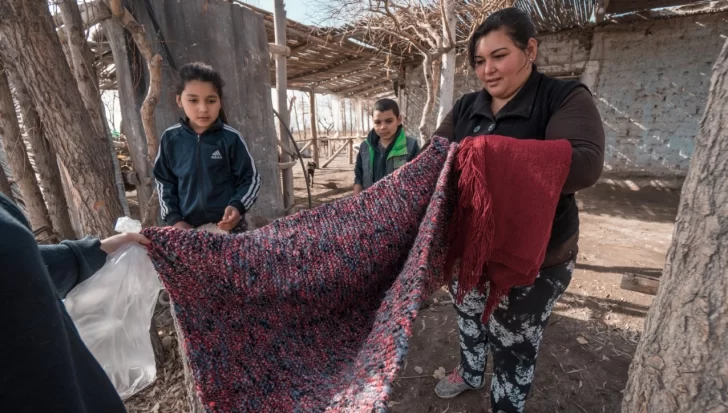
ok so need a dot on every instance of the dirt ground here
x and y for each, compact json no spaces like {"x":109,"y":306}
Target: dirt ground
{"x":591,"y":337}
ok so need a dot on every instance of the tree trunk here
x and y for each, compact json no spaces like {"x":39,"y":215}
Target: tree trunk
{"x":46,"y":162}
{"x":680,"y":364}
{"x":154,"y":66}
{"x":449,"y":61}
{"x":18,"y":160}
{"x":29,"y":42}
{"x":83,"y":70}
{"x":5,"y":185}
{"x":133,"y":128}
{"x":427,"y":109}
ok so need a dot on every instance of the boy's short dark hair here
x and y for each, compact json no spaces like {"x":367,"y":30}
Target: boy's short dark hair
{"x":383,"y":105}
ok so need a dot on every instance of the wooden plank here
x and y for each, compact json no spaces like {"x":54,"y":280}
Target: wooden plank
{"x":283,"y":147}
{"x":304,"y":147}
{"x":286,"y":165}
{"x":326,"y":68}
{"x":338,"y":151}
{"x":640,"y":283}
{"x":279,"y":15}
{"x":314,"y":132}
{"x":361,"y":86}
{"x":351,"y":151}
{"x":628,"y":6}
{"x":279,"y":50}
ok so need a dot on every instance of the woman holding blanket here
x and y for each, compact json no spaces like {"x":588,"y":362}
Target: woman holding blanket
{"x":519,"y":102}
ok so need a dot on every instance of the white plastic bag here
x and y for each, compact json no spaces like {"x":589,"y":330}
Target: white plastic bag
{"x":112,"y":311}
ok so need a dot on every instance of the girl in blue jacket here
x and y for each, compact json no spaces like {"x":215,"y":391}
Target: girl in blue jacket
{"x":204,"y":171}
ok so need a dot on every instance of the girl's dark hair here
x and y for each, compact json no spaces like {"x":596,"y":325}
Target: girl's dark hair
{"x":204,"y":73}
{"x":516,"y":23}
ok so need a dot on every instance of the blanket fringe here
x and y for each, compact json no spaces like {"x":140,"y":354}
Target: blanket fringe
{"x":470,"y":235}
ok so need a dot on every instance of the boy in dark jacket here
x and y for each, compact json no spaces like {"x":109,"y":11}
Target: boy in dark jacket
{"x":386,"y":147}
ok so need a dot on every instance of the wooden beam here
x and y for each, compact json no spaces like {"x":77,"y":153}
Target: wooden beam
{"x":326,"y":68}
{"x":304,"y":147}
{"x":312,"y":121}
{"x":640,"y":283}
{"x":343,"y":75}
{"x":337,"y":43}
{"x":338,"y":151}
{"x":285,"y":148}
{"x":378,"y":93}
{"x":363,"y":85}
{"x":350,"y":144}
{"x":286,"y":165}
{"x":628,"y":6}
{"x":279,"y":50}
{"x":279,"y":15}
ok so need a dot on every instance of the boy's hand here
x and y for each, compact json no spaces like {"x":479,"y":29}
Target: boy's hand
{"x":230,"y":219}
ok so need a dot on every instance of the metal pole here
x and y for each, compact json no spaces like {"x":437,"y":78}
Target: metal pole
{"x":279,"y":14}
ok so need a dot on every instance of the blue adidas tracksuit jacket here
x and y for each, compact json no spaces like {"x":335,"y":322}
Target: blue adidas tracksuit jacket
{"x":198,"y":176}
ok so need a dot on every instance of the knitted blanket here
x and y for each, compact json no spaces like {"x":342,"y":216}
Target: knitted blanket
{"x":313,"y":312}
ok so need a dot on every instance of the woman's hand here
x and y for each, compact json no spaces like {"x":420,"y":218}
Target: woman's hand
{"x":230,"y":219}
{"x":111,"y":244}
{"x":183,"y":225}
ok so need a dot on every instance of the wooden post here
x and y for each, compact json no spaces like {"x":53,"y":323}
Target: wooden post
{"x":279,"y":14}
{"x":328,"y":161}
{"x":640,"y":283}
{"x":357,"y":117}
{"x":402,"y":98}
{"x":314,"y":134}
{"x":336,"y":115}
{"x":351,"y":150}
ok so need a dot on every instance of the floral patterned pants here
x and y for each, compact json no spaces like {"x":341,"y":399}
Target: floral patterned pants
{"x":512,"y":334}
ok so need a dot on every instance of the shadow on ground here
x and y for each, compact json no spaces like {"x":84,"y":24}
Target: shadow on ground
{"x":570,"y":376}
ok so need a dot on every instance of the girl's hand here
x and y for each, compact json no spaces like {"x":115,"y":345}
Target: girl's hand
{"x":183,"y":225}
{"x":113,"y":243}
{"x":230,"y":219}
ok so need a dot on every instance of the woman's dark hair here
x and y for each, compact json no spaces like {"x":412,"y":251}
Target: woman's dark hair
{"x":204,"y":73}
{"x":515,"y":22}
{"x":383,"y":105}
